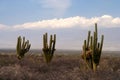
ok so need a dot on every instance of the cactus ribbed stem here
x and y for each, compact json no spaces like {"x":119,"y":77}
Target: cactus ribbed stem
{"x":22,"y":47}
{"x":50,"y":42}
{"x":84,"y":48}
{"x":44,"y":41}
{"x":54,"y":41}
{"x":88,"y":39}
{"x":92,"y":52}
{"x":48,"y":50}
{"x":101,"y":45}
{"x":91,"y":43}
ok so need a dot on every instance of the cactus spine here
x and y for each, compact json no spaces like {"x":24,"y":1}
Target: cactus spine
{"x":48,"y":50}
{"x":22,"y":47}
{"x":92,"y":50}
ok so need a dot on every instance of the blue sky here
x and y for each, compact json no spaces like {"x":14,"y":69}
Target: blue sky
{"x":21,"y":11}
{"x":69,"y":19}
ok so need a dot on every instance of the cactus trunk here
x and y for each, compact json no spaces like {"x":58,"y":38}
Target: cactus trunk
{"x":48,"y":50}
{"x":92,"y":50}
{"x":22,"y":47}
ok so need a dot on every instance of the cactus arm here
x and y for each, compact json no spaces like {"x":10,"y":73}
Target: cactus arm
{"x":94,"y":43}
{"x":45,"y":45}
{"x":84,"y":47}
{"x":92,"y":49}
{"x":88,"y":39}
{"x":23,"y":44}
{"x":50,"y":45}
{"x":91,"y":43}
{"x":98,"y":45}
{"x":22,"y":47}
{"x":44,"y":41}
{"x":27,"y":46}
{"x":48,"y":50}
{"x":96,"y":28}
{"x":19,"y":45}
{"x":54,"y":42}
{"x":101,"y":45}
{"x":96,"y":31}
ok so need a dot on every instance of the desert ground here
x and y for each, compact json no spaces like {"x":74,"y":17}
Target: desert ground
{"x":63,"y":67}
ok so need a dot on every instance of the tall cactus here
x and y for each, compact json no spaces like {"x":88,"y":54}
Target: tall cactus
{"x":48,"y":50}
{"x":92,"y":49}
{"x":22,"y":47}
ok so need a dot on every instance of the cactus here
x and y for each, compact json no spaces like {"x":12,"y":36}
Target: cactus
{"x":22,"y":47}
{"x":48,"y":50}
{"x":92,"y":50}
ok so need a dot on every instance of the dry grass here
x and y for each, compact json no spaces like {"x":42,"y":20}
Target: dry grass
{"x":63,"y":67}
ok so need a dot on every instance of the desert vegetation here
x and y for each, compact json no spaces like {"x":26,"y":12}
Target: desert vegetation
{"x":48,"y":50}
{"x":92,"y":50}
{"x":62,"y":67}
{"x":22,"y":47}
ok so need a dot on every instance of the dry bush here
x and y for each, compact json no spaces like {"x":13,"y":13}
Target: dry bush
{"x":62,"y":67}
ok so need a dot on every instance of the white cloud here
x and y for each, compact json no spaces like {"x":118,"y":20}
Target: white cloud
{"x":83,"y":22}
{"x":59,"y":7}
{"x":2,"y":27}
{"x":56,"y":4}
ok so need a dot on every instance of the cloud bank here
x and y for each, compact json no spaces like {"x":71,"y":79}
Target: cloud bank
{"x":69,"y":36}
{"x":83,"y":22}
{"x":71,"y":22}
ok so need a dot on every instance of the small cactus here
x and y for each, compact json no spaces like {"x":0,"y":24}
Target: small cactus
{"x":22,"y":47}
{"x":48,"y":50}
{"x":92,"y":50}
